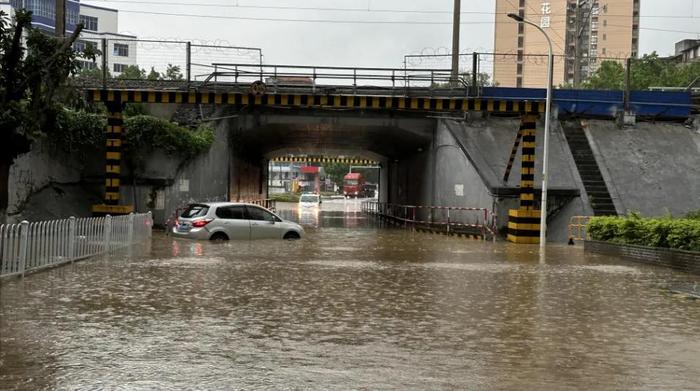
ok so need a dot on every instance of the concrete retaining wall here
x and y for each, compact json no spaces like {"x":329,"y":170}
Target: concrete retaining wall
{"x":651,"y":168}
{"x":35,"y":171}
{"x":687,"y":261}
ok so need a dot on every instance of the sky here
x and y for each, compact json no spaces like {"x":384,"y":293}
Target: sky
{"x":359,"y":43}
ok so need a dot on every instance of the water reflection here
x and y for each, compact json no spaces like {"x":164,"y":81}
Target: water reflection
{"x":360,"y":308}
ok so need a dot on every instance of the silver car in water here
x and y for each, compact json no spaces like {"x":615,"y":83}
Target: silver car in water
{"x":233,"y":221}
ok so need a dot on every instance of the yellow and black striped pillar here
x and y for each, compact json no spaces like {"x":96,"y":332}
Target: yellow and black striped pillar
{"x":113,"y":158}
{"x":524,"y":222}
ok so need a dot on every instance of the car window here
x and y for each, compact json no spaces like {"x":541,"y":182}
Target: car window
{"x":260,"y":214}
{"x":231,"y":212}
{"x":195,"y":210}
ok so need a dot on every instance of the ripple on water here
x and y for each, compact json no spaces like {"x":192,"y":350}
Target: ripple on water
{"x":344,"y":263}
{"x":615,"y":269}
{"x":472,"y":267}
{"x":186,"y":262}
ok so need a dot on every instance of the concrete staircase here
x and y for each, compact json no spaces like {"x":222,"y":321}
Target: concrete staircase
{"x":593,"y":181}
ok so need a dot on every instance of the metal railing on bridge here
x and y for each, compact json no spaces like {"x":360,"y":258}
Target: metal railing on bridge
{"x":27,"y":247}
{"x":444,"y":219}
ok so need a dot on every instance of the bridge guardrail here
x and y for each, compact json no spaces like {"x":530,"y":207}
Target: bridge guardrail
{"x":443,"y":218}
{"x":32,"y":246}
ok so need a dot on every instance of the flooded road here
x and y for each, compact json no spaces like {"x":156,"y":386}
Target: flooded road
{"x":351,"y":306}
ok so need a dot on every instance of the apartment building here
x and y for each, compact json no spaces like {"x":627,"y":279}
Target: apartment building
{"x":98,"y":23}
{"x":583,"y":33}
{"x":687,"y":50}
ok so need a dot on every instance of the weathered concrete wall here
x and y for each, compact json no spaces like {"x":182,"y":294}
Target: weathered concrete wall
{"x":40,"y":168}
{"x":488,"y":143}
{"x":651,"y":168}
{"x":167,"y":184}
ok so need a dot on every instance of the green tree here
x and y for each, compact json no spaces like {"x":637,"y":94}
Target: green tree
{"x":336,"y":171}
{"x":172,"y":72}
{"x":648,"y":71}
{"x":609,"y":76}
{"x":133,"y":72}
{"x":34,"y":69}
{"x":92,"y":73}
{"x":153,"y":75}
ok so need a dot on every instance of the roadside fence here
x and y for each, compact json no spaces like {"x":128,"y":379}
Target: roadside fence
{"x":26,"y":246}
{"x":578,"y":227}
{"x":444,"y":219}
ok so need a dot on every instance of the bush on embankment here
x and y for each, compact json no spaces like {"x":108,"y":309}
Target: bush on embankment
{"x":285,"y":197}
{"x":665,"y":232}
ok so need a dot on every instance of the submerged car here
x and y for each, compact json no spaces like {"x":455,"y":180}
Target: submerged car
{"x":233,"y":221}
{"x":309,"y":200}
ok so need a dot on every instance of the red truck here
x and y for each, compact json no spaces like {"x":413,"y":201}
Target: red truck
{"x":354,"y":185}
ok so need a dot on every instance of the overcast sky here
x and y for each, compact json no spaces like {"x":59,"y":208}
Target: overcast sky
{"x":360,"y":44}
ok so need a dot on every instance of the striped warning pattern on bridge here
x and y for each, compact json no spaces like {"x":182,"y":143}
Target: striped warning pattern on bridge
{"x":524,"y":223}
{"x":436,"y":104}
{"x":113,"y":158}
{"x":289,"y":159}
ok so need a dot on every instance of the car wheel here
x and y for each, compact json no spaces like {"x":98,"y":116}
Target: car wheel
{"x":219,"y":237}
{"x":291,"y":236}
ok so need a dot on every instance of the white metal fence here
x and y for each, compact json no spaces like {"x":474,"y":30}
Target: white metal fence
{"x":30,"y":246}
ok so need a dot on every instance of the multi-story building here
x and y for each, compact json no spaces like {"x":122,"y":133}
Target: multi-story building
{"x":583,"y":33}
{"x":102,"y":23}
{"x":687,"y":50}
{"x":98,"y":23}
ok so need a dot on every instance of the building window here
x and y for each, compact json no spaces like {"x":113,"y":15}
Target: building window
{"x":87,"y":65}
{"x":521,"y":41}
{"x":80,"y":45}
{"x":519,"y":82}
{"x":119,"y":67}
{"x":521,"y":28}
{"x":89,"y":22}
{"x":121,"y":50}
{"x":520,"y":69}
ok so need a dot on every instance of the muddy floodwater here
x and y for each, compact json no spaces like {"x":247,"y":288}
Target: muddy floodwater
{"x":354,"y":305}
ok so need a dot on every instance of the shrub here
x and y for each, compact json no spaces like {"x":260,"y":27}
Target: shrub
{"x":147,"y":133}
{"x":285,"y":197}
{"x":666,"y":232}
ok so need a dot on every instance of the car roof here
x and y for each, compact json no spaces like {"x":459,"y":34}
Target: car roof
{"x":217,"y":204}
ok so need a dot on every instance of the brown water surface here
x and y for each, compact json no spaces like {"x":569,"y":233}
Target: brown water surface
{"x":351,"y":306}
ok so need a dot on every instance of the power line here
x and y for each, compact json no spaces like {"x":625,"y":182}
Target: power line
{"x":365,"y":10}
{"x":336,"y":21}
{"x":291,"y":8}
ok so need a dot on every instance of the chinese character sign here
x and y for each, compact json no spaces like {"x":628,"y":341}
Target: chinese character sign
{"x":545,"y":20}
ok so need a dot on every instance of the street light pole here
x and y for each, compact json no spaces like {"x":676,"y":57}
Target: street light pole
{"x":548,"y":108}
{"x":455,"y":41}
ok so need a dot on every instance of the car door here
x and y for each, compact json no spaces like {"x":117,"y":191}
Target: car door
{"x":263,"y":224}
{"x":234,"y":221}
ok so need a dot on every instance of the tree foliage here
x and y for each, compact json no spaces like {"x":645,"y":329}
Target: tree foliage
{"x":648,"y":71}
{"x":146,"y":133}
{"x":172,"y":72}
{"x":34,"y":69}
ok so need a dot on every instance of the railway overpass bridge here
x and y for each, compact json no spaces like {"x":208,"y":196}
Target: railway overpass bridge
{"x":430,"y":136}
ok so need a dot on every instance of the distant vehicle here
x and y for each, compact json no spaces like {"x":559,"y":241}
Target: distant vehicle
{"x":353,"y":185}
{"x":233,"y":221}
{"x":309,"y":200}
{"x":370,"y":190}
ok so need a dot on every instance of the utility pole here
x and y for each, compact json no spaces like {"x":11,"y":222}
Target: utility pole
{"x":60,"y":22}
{"x":455,"y":42}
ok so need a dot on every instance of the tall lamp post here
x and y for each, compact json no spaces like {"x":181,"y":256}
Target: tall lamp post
{"x":545,"y":164}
